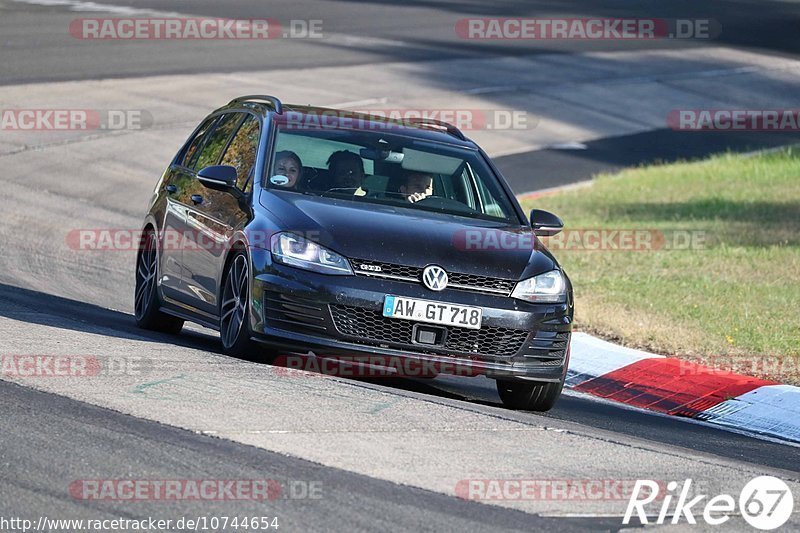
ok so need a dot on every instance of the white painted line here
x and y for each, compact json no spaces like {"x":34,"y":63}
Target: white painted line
{"x":360,"y":103}
{"x":344,"y":39}
{"x":568,"y":146}
{"x":493,"y":89}
{"x":340,"y":39}
{"x":519,"y":150}
{"x":94,"y":7}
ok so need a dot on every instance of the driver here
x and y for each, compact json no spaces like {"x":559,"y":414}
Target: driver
{"x":347,"y":172}
{"x":417,"y":186}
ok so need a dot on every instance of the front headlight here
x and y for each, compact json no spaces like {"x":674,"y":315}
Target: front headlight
{"x":299,"y":252}
{"x":549,"y":287}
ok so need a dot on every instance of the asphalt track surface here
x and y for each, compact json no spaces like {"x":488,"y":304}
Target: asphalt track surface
{"x":37,"y":47}
{"x":34,"y":483}
{"x":47,"y":440}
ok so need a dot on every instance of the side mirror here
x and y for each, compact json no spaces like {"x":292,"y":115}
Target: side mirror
{"x":545,"y":223}
{"x":218,"y":177}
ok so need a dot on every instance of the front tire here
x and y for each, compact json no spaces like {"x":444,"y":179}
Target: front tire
{"x":529,"y":395}
{"x":234,"y":312}
{"x":146,"y":302}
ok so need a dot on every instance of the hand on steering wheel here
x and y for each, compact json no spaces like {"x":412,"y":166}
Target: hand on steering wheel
{"x":417,"y":196}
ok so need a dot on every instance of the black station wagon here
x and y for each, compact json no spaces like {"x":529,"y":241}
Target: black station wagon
{"x":302,"y":229}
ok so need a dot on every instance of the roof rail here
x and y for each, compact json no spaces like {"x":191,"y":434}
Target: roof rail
{"x":276,"y":104}
{"x":436,"y":124}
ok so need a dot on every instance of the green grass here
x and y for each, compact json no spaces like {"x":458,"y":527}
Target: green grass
{"x":738,"y":295}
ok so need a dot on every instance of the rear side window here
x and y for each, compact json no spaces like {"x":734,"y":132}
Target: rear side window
{"x":241,"y":153}
{"x":218,"y":139}
{"x":197,"y":141}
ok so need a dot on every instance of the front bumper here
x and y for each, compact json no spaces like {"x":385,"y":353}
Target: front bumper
{"x":341,"y":316}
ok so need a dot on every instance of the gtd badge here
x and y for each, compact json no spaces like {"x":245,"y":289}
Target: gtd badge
{"x":434,"y":277}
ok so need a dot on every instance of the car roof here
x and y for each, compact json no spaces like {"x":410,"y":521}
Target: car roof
{"x":311,"y":116}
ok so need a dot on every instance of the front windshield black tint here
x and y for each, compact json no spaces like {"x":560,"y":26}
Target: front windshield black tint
{"x":376,"y":167}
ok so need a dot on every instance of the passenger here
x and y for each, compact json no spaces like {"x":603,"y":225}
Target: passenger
{"x":417,"y":186}
{"x":288,"y":165}
{"x":347,"y":171}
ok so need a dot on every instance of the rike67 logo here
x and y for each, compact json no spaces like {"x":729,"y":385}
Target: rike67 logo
{"x":765,"y":502}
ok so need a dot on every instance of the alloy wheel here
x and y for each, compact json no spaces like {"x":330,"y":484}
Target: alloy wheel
{"x":234,"y":301}
{"x":146,"y":277}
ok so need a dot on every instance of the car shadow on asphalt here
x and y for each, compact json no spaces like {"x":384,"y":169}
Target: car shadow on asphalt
{"x":36,"y":307}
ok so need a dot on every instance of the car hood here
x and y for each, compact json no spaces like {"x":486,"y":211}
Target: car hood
{"x":411,"y":237}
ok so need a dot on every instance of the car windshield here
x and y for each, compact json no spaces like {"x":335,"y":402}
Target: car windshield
{"x":381,"y":168}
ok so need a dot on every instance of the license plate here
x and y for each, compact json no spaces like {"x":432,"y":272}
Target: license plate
{"x":462,"y":316}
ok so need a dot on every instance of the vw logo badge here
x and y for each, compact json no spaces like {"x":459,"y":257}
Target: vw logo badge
{"x":434,"y":277}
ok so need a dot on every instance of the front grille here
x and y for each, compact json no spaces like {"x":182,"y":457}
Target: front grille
{"x":478,"y":283}
{"x":371,"y":327}
{"x":387,"y":270}
{"x":496,"y":341}
{"x":290,"y":312}
{"x":467,"y":282}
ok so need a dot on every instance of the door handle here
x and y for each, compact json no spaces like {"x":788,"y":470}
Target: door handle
{"x":197,"y":199}
{"x":171,"y":189}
